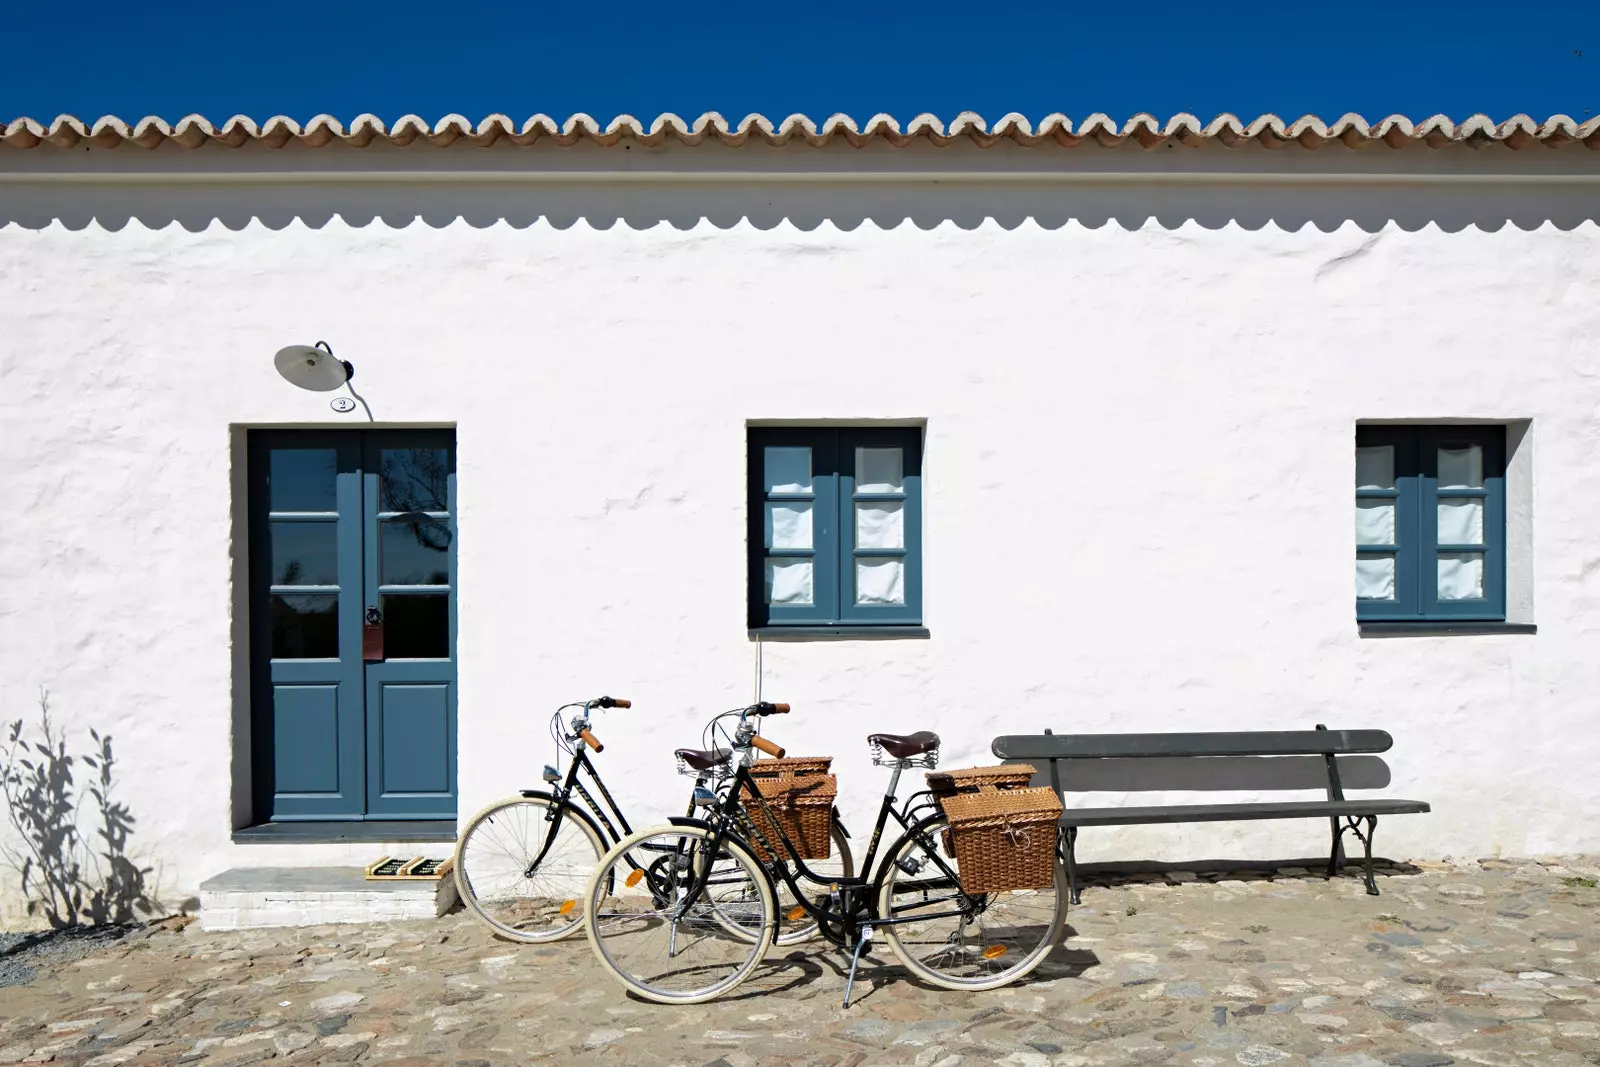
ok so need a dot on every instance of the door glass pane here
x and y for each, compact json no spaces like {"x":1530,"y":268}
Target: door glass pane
{"x":305,"y":627}
{"x":305,"y":553}
{"x":1375,"y":577}
{"x":1375,"y":467}
{"x":880,"y":524}
{"x":1461,"y":521}
{"x":1461,"y":576}
{"x":880,"y":581}
{"x":414,"y":553}
{"x":789,"y":525}
{"x":416,"y":626}
{"x":1375,"y":522}
{"x":789,"y":582}
{"x":302,"y":479}
{"x":787,"y":470}
{"x":1461,"y":468}
{"x":414,"y":479}
{"x":879,"y":470}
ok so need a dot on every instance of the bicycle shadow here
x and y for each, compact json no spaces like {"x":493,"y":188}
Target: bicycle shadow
{"x":801,"y":966}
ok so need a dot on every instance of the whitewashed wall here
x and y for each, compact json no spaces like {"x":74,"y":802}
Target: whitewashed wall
{"x":1139,"y":404}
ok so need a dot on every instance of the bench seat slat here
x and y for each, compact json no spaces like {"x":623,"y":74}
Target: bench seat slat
{"x":1180,"y":813}
{"x":1257,"y":743}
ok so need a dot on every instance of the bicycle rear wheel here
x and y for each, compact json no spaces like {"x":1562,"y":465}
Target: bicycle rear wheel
{"x":956,"y":941}
{"x":500,"y":882}
{"x":657,"y":914}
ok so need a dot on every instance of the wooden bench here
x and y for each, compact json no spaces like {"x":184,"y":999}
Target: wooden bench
{"x":1257,"y":761}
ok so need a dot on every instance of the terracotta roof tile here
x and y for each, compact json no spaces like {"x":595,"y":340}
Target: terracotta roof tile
{"x":194,"y":131}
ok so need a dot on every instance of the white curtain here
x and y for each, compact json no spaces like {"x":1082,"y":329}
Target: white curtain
{"x":1375,"y":577}
{"x":1460,"y":576}
{"x":1461,"y":468}
{"x":880,"y":581}
{"x":789,"y":582}
{"x":880,"y":524}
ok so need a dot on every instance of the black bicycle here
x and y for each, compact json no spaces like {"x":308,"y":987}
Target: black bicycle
{"x":657,"y":922}
{"x":523,"y":863}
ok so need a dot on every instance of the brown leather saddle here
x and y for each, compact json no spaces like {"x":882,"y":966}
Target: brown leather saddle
{"x":905,"y":746}
{"x":702,"y":760}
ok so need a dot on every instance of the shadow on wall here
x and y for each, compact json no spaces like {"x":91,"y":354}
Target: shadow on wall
{"x":67,"y":878}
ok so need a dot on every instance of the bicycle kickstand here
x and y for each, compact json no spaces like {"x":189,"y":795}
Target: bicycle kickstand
{"x":855,"y":960}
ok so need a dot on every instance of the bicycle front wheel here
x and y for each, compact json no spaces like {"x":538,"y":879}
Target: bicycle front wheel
{"x":657,"y":914}
{"x":953,"y":940}
{"x":509,"y":879}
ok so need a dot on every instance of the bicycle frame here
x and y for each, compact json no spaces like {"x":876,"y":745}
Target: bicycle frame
{"x":854,"y":913}
{"x":573,"y":783}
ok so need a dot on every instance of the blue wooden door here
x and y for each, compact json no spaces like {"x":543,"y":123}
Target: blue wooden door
{"x":410,"y":575}
{"x":340,"y":523}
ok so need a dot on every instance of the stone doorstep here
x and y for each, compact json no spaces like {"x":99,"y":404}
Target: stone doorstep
{"x":253,"y":897}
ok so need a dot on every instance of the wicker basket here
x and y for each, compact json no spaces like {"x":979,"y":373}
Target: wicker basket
{"x":791,"y":766}
{"x":972,"y":779}
{"x":803,"y":806}
{"x":1004,"y":839}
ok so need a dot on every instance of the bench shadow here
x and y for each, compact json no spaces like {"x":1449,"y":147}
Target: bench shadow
{"x":1105,"y":875}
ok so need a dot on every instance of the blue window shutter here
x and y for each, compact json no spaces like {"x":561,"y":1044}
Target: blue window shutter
{"x":1404,"y":496}
{"x":1417,"y":498}
{"x":1492,"y":605}
{"x":767,"y":445}
{"x":908,"y":499}
{"x":833,"y":498}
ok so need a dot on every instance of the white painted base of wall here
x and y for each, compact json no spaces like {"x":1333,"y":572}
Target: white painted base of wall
{"x":250,"y":898}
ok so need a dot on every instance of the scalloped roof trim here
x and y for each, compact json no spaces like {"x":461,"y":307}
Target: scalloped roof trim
{"x":1395,"y":131}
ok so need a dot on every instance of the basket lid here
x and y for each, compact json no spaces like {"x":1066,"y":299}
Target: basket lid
{"x":998,"y":807}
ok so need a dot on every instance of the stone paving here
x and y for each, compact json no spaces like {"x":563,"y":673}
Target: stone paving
{"x":1490,"y":963}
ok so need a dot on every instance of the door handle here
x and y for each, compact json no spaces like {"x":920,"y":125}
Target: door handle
{"x":372,"y":636}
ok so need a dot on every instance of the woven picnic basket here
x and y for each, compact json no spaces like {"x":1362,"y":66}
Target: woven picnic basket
{"x":1002,"y":831}
{"x":800,"y":793}
{"x":972,"y":779}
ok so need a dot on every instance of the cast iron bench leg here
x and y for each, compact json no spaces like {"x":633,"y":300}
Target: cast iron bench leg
{"x":1353,"y":823}
{"x":1366,"y":839}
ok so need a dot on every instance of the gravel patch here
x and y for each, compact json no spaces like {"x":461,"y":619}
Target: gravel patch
{"x":24,"y":956}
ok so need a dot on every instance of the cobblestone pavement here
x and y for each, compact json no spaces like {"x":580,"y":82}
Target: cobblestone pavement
{"x":1492,"y":963}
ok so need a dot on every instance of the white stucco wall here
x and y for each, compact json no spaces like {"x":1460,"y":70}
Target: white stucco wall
{"x":1139,"y":407}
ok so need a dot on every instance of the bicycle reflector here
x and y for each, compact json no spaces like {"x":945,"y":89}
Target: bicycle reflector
{"x":634,"y":878}
{"x":796,"y":914}
{"x":567,"y":906}
{"x":994,"y":952}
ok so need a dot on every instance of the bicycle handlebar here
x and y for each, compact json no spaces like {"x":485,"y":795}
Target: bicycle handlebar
{"x":613,"y":702}
{"x":590,"y":740}
{"x":775,"y":751}
{"x":765,"y":708}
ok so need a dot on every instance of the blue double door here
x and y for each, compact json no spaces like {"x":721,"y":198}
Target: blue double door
{"x":353,"y":622}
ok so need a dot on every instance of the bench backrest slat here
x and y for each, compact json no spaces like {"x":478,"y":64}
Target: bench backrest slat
{"x":1218,"y":774}
{"x":1134,"y":746}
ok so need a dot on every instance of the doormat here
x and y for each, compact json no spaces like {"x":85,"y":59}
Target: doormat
{"x":416,"y":869}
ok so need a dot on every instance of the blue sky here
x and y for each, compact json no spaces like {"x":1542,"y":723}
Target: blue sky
{"x":471,"y":57}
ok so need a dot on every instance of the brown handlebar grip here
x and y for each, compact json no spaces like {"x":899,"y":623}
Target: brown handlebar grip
{"x":768,"y":747}
{"x":780,"y":709}
{"x":590,"y":740}
{"x":618,"y":702}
